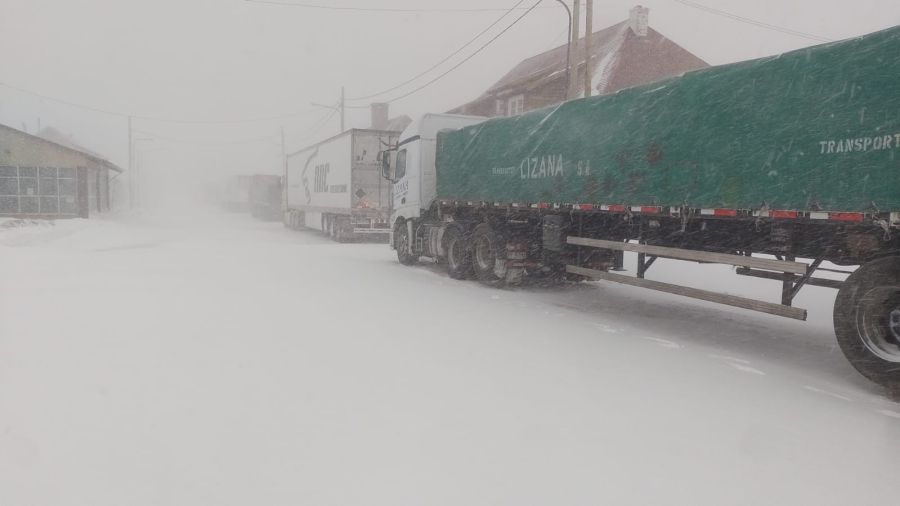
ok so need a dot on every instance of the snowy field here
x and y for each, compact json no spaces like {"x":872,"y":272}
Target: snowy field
{"x":225,"y":361}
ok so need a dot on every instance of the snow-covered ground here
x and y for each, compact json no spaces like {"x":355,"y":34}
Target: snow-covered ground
{"x":224,"y":361}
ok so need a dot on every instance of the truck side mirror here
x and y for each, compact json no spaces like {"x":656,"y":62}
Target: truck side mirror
{"x":386,"y":165}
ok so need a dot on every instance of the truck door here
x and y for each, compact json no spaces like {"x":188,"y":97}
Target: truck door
{"x":405,"y":189}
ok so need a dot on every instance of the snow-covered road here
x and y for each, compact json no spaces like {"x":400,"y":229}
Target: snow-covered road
{"x":226,"y":361}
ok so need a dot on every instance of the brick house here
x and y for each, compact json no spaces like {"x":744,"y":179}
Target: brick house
{"x":623,"y":55}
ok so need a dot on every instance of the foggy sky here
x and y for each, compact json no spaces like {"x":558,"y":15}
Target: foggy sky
{"x":230,"y":59}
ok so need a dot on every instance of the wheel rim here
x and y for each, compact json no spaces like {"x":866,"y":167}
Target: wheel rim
{"x":454,"y":253}
{"x":878,"y":322}
{"x":484,"y":254}
{"x":894,"y":323}
{"x":403,"y":243}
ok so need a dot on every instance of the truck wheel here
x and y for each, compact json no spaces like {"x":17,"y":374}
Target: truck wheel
{"x":401,"y":242}
{"x":459,"y":253}
{"x":342,"y":232}
{"x":489,"y":255}
{"x":867,"y":321}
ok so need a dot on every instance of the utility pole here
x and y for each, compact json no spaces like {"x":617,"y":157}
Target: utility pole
{"x":588,"y":28}
{"x":576,"y":14}
{"x":340,"y":107}
{"x":130,"y":166}
{"x":283,"y":170}
{"x":568,"y":51}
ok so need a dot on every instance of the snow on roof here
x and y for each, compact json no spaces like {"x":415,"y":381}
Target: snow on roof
{"x":553,"y":62}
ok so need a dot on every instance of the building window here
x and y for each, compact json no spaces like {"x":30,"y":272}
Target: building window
{"x":515,"y":105}
{"x":499,"y":108}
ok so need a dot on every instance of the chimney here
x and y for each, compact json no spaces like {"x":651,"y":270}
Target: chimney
{"x":638,"y":20}
{"x":379,"y":116}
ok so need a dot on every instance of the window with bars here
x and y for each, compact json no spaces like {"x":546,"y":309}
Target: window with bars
{"x":515,"y":105}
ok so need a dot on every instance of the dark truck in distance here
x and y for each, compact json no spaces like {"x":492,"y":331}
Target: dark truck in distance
{"x":756,"y":165}
{"x":266,"y":197}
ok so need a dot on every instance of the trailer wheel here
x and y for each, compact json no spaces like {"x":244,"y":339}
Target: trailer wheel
{"x":867,"y":321}
{"x":401,"y":243}
{"x":342,"y":232}
{"x":489,"y":255}
{"x":459,"y":253}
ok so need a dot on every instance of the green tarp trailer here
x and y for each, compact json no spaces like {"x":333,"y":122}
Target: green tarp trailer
{"x":813,"y":129}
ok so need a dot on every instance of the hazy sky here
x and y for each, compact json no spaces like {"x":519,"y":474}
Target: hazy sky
{"x":232,"y":60}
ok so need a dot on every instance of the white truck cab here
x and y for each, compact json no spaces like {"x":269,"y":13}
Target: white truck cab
{"x":411,"y":169}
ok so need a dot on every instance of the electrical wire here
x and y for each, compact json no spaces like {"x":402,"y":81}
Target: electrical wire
{"x":451,"y":55}
{"x":156,"y":136}
{"x":316,"y":128}
{"x":156,"y":118}
{"x":441,"y":10}
{"x":464,"y":60}
{"x":761,"y":24}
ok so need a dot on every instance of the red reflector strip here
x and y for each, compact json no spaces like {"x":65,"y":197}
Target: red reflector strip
{"x":846,"y":216}
{"x":650,"y":209}
{"x":782,"y":214}
{"x":725,"y":212}
{"x":543,"y":205}
{"x":584,"y":207}
{"x":617,"y":208}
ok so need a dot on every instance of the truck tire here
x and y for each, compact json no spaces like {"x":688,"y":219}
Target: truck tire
{"x":342,"y":230}
{"x":459,"y":253}
{"x":488,"y":249}
{"x":867,"y":321}
{"x":401,"y":244}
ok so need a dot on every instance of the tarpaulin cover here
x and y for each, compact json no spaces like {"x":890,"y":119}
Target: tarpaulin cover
{"x":813,"y":129}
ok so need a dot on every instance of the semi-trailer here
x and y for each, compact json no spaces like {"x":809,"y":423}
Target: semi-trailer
{"x":235,"y":193}
{"x":265,"y":197}
{"x":774,"y":166}
{"x":336,"y":186}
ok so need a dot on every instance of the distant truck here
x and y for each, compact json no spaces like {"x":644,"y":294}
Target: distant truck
{"x":336,"y":186}
{"x":753,"y":165}
{"x":236,"y":194}
{"x":265,"y":197}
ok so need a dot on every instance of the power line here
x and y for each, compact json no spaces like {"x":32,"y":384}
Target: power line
{"x":317,"y":127}
{"x":443,"y":10}
{"x":206,"y":142}
{"x":464,"y":60}
{"x":156,"y":118}
{"x":761,"y":24}
{"x":451,"y":55}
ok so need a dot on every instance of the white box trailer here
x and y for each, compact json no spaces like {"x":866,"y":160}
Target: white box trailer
{"x":336,"y":186}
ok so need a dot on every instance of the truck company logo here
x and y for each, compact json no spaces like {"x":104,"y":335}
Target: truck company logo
{"x":401,"y":188}
{"x":877,"y":143}
{"x":322,"y":171}
{"x":320,"y":178}
{"x":305,"y":178}
{"x":540,"y":167}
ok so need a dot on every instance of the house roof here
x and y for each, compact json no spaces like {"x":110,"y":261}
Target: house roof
{"x":649,"y":58}
{"x":398,"y":123}
{"x":552,"y":63}
{"x":53,"y":135}
{"x":90,"y":156}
